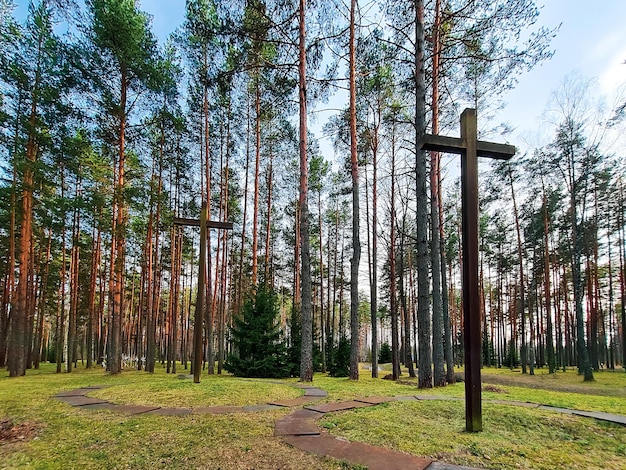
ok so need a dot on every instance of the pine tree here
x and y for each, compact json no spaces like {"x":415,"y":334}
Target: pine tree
{"x":35,"y":81}
{"x":125,"y":57}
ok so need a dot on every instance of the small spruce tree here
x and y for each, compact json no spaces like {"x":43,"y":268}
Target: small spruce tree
{"x":260,"y":350}
{"x":339,"y":365}
{"x":384,"y":355}
{"x":295,"y":343}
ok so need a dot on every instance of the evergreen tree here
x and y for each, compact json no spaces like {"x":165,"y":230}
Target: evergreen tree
{"x":125,"y":52}
{"x":257,"y":339}
{"x":385,"y":356}
{"x":36,"y":90}
{"x":339,"y":365}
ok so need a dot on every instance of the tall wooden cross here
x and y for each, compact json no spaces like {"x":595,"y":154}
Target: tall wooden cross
{"x":470,"y":148}
{"x":204,"y":224}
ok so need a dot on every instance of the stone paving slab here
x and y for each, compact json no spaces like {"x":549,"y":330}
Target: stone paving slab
{"x":94,"y":387}
{"x":612,"y":418}
{"x":374,"y":400}
{"x":447,"y":466}
{"x":523,"y":404}
{"x":257,"y":408}
{"x":294,"y":401}
{"x":216,"y":410}
{"x":556,"y":409}
{"x":405,"y":398}
{"x":100,"y":406}
{"x":81,"y":400}
{"x":170,"y":412}
{"x":79,"y":392}
{"x":315,"y":392}
{"x":303,"y":413}
{"x":438,"y":397}
{"x":374,"y":458}
{"x":291,"y":425}
{"x":338,"y":406}
{"x":133,"y":409}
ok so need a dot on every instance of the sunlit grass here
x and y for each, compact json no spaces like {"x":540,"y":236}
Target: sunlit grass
{"x":80,"y":438}
{"x":513,"y":437}
{"x":214,"y":390}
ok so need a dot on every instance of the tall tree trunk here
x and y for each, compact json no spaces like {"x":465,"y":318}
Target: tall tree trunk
{"x":38,"y":350}
{"x":176,"y":269}
{"x":72,"y":340}
{"x":584,"y":362}
{"x":400,"y":274}
{"x":149,"y":297}
{"x":9,"y":288}
{"x":95,"y":263}
{"x":209,"y":318}
{"x":425,"y":375}
{"x":622,"y":269}
{"x":522,"y":282}
{"x":255,"y":211}
{"x":439,"y":376}
{"x":268,"y":232}
{"x":547,"y":289}
{"x":18,"y":348}
{"x":396,"y":273}
{"x":240,"y":288}
{"x":374,"y":263}
{"x":114,"y":356}
{"x":324,"y":322}
{"x":356,"y":243}
{"x":306,"y":353}
{"x":60,"y":320}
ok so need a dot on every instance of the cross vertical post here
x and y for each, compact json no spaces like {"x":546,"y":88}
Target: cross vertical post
{"x":470,"y":148}
{"x":197,"y":329}
{"x":471,"y":289}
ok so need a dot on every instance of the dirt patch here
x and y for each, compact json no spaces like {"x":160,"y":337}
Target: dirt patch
{"x":11,"y":432}
{"x":493,"y":389}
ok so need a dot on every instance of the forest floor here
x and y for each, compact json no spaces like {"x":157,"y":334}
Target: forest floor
{"x":37,"y":431}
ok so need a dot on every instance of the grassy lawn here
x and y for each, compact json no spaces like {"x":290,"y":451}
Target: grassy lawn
{"x":66,"y":437}
{"x":58,"y":436}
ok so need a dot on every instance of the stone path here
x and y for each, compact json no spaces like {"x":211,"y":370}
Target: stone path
{"x":79,"y":398}
{"x":299,"y":428}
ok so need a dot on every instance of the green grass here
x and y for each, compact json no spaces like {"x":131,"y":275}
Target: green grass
{"x":211,"y":391}
{"x":88,"y":439}
{"x":514,"y":437}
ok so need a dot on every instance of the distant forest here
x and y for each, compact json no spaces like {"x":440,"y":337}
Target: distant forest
{"x":300,"y":123}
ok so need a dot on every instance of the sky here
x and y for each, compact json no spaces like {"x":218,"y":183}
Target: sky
{"x":591,"y":42}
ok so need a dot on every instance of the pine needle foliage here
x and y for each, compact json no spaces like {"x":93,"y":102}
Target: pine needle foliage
{"x":339,"y":365}
{"x":260,"y":349}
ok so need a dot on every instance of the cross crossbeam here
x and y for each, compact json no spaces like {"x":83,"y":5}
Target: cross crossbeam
{"x":209,"y":223}
{"x":440,"y":143}
{"x":470,"y":148}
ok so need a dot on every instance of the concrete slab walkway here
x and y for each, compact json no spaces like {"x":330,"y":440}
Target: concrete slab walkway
{"x":299,"y":428}
{"x":78,"y":398}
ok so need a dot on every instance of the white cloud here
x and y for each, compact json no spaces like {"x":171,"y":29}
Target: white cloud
{"x":614,"y":74}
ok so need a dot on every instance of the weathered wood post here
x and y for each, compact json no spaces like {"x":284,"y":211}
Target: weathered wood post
{"x":470,"y":148}
{"x":204,"y":225}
